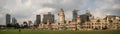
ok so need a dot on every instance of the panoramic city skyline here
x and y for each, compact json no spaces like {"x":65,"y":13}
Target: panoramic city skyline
{"x":25,"y":10}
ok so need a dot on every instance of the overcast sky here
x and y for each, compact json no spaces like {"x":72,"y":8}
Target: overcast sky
{"x":24,"y":10}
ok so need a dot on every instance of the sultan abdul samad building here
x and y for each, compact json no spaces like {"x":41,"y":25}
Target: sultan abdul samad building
{"x":82,"y":22}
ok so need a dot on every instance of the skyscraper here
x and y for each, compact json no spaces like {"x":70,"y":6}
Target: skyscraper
{"x":8,"y":19}
{"x":61,"y":16}
{"x":14,"y":21}
{"x":29,"y":23}
{"x":38,"y":20}
{"x":75,"y":14}
{"x":85,"y":17}
{"x":47,"y":17}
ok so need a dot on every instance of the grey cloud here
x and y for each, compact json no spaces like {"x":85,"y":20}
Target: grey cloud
{"x":115,"y":11}
{"x":21,"y":11}
{"x":117,"y":2}
{"x":73,"y":4}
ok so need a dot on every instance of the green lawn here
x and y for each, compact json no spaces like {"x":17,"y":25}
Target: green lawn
{"x":25,"y":31}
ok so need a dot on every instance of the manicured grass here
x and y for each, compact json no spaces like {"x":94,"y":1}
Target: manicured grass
{"x":26,"y":31}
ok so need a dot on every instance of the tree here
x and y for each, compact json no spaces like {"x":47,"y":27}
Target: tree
{"x":25,"y":25}
{"x":17,"y":26}
{"x":98,"y":20}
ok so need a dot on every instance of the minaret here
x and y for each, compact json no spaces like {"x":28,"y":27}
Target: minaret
{"x":61,"y":17}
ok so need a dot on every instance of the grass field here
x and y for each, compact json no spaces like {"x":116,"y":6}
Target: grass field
{"x":25,"y":31}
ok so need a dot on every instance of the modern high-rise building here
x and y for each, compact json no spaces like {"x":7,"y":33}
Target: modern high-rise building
{"x":29,"y":23}
{"x":75,"y":14}
{"x":14,"y":21}
{"x":38,"y":20}
{"x":49,"y":17}
{"x":8,"y":19}
{"x":85,"y":17}
{"x":61,"y":16}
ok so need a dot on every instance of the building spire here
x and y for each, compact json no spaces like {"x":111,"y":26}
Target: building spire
{"x":61,"y":16}
{"x":61,"y":10}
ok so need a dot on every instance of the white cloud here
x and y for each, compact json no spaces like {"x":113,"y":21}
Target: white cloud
{"x":106,"y":7}
{"x":116,"y":6}
{"x":44,"y":10}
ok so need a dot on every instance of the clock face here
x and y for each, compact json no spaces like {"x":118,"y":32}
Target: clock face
{"x":78,"y":16}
